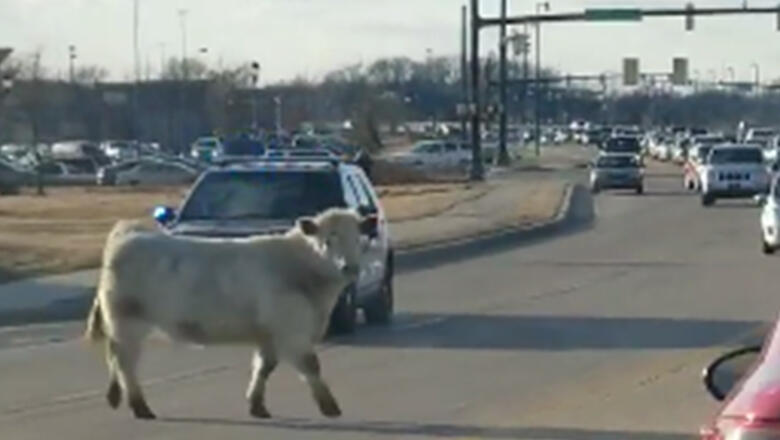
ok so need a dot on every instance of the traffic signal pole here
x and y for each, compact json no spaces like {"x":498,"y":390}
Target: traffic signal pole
{"x":503,"y":155}
{"x":477,"y":170}
{"x":589,"y":15}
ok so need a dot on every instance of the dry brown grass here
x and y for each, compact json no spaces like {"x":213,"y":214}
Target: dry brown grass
{"x":65,"y":230}
{"x":417,"y":201}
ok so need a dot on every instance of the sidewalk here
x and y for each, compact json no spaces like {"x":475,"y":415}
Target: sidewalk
{"x":510,"y":202}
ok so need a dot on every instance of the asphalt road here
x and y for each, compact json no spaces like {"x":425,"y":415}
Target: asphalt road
{"x":595,"y":335}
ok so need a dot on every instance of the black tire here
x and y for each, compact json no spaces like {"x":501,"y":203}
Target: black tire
{"x":707,"y":200}
{"x":343,"y":319}
{"x":766,"y":248}
{"x":640,"y":190}
{"x":379,"y":309}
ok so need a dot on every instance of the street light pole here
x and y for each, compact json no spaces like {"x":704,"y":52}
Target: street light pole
{"x":278,"y":103}
{"x":537,"y":77}
{"x":476,"y":136}
{"x":524,"y":107}
{"x":183,"y":25}
{"x":503,"y":156}
{"x":757,"y":75}
{"x":255,"y":66}
{"x":71,"y":62}
{"x":464,"y":80}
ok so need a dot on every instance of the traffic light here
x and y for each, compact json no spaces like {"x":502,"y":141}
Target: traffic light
{"x":630,"y":71}
{"x":689,"y":17}
{"x":778,"y":17}
{"x":680,"y":71}
{"x":520,"y":43}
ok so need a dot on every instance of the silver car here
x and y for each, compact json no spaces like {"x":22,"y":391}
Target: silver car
{"x":617,"y":171}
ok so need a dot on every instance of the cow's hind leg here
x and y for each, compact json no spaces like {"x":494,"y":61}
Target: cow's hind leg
{"x":114,"y":393}
{"x":308,"y":366}
{"x":126,"y":351}
{"x":264,"y":361}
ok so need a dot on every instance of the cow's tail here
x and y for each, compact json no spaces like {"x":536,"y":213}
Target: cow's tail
{"x":95,"y":328}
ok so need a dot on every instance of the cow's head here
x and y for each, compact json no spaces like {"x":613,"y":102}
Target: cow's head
{"x":339,"y":233}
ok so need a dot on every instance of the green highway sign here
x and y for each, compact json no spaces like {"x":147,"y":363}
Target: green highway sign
{"x":613,"y":14}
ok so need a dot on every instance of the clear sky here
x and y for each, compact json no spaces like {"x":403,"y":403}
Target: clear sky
{"x":310,"y":37}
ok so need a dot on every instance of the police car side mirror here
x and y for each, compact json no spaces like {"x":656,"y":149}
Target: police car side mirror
{"x":164,"y":215}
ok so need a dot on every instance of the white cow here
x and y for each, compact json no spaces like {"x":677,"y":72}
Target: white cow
{"x":273,"y":292}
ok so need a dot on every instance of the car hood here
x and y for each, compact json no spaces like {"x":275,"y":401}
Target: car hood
{"x":231,"y":228}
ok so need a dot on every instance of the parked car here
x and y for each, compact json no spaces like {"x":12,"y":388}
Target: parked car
{"x":617,"y":171}
{"x":240,"y":147}
{"x":261,"y":198}
{"x":12,"y":178}
{"x":78,"y":149}
{"x":747,"y":381}
{"x":119,"y":151}
{"x":107,"y":175}
{"x":153,"y":172}
{"x":760,"y":135}
{"x":435,"y":155}
{"x":733,"y":171}
{"x":61,"y":173}
{"x":205,"y":148}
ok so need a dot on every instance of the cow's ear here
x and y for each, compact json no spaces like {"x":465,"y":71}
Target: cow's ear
{"x":308,"y":226}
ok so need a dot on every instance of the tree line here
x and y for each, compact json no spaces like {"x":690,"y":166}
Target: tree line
{"x":191,"y":99}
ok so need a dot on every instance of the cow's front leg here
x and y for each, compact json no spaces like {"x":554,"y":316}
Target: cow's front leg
{"x":309,"y":367}
{"x":264,"y":361}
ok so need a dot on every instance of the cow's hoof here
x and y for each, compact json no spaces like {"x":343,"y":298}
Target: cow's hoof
{"x":330,"y":408}
{"x":141,"y":410}
{"x":259,"y":411}
{"x":114,"y":395}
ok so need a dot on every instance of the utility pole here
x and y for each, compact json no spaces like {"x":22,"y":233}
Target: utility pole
{"x":538,"y":77}
{"x":183,"y":26}
{"x":71,"y":62}
{"x":136,"y":50}
{"x":476,"y":137}
{"x":137,"y":66}
{"x":278,"y":102}
{"x":503,"y":156}
{"x":255,"y":66}
{"x":524,"y":107}
{"x":161,"y":46}
{"x":464,"y":76}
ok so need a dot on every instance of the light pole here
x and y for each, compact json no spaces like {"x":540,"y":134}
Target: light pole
{"x":136,"y":50}
{"x":183,"y":25}
{"x":541,"y":6}
{"x":756,"y":75}
{"x":255,"y":67}
{"x":161,"y":46}
{"x":503,"y":156}
{"x":71,"y":61}
{"x":464,"y":80}
{"x":278,"y":108}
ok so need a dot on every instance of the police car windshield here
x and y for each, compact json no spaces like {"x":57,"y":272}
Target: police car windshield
{"x":262,"y":195}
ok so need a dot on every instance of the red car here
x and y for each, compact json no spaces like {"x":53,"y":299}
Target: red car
{"x":748,"y":381}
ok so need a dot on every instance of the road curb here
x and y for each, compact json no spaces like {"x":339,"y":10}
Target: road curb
{"x":575,"y":213}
